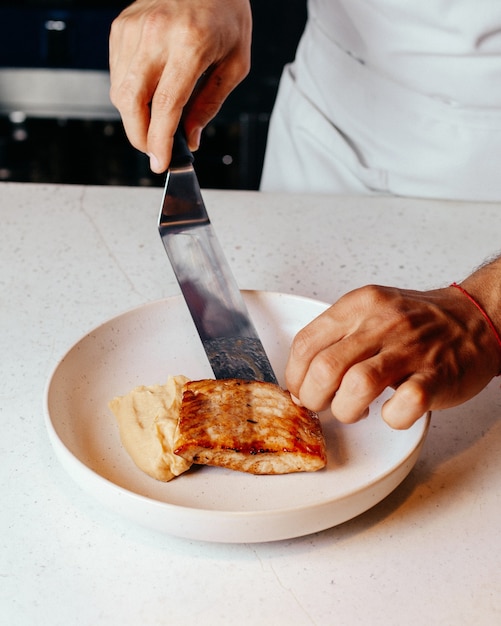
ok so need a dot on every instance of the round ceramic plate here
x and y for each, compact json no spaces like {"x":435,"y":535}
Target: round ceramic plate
{"x":366,"y":461}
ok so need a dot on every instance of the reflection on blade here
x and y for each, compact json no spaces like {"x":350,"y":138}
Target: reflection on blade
{"x":230,"y":340}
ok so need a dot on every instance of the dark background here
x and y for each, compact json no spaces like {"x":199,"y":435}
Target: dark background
{"x":68,"y":149}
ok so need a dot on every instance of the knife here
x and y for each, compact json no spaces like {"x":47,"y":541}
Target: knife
{"x":217,"y":307}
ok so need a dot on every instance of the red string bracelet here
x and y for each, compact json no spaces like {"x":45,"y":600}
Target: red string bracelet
{"x":486,"y":317}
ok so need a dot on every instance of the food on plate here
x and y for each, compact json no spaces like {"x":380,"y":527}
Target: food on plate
{"x":248,"y":426}
{"x":147,"y":419}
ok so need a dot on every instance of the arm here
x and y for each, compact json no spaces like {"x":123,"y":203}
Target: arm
{"x":160,"y":50}
{"x":435,"y":348}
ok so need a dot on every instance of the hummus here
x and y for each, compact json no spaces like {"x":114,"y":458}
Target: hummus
{"x":148,"y":419}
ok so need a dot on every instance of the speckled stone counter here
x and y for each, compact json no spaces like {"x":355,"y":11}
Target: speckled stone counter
{"x":72,"y":257}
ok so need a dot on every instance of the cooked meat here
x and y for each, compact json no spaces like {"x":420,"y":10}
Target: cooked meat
{"x":248,"y":426}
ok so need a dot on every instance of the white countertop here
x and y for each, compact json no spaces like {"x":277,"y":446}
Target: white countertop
{"x":72,"y":257}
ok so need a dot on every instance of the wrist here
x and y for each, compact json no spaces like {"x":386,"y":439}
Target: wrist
{"x":483,"y":289}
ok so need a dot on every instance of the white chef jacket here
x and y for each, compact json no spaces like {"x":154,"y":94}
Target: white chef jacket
{"x":391,"y":97}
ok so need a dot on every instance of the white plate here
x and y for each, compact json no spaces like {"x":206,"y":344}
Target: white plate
{"x":366,"y":461}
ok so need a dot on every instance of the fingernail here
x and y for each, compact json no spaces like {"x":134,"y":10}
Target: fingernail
{"x":154,"y":164}
{"x":296,"y":400}
{"x":195,"y":136}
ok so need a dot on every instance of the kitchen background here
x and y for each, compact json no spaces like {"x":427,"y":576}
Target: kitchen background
{"x":57,"y":124}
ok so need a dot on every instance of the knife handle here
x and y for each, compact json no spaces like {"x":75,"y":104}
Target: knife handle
{"x":181,"y":154}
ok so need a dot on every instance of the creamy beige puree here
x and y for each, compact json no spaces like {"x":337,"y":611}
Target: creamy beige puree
{"x":148,"y":419}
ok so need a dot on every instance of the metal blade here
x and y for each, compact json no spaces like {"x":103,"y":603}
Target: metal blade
{"x":215,"y":302}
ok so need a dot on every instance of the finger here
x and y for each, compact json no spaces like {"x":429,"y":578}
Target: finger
{"x":116,"y":42}
{"x":310,"y":342}
{"x":169,"y":99}
{"x":411,"y":400}
{"x":362,"y":384}
{"x":322,"y":379}
{"x":210,"y":94}
{"x":128,"y":84}
{"x":132,"y":88}
{"x":340,"y":367}
{"x":136,"y":120}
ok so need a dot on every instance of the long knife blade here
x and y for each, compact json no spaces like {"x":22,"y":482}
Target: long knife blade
{"x":217,"y":307}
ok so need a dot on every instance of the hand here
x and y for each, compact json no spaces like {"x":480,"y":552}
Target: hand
{"x":160,"y":50}
{"x":434,"y":348}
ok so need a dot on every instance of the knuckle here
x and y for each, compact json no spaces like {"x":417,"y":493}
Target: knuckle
{"x":347,"y":409}
{"x":240,"y":67}
{"x":301,"y":344}
{"x":123,"y":26}
{"x":415,"y":395}
{"x":361,"y":380}
{"x":411,"y":400}
{"x":193,"y":37}
{"x":115,"y":95}
{"x":114,"y":29}
{"x":371,"y":291}
{"x":375,"y":295}
{"x":154,"y":24}
{"x":325,"y":370}
{"x":166,"y":100}
{"x":124,"y":97}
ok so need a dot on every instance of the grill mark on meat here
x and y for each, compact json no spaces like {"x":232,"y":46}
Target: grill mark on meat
{"x":249,"y":426}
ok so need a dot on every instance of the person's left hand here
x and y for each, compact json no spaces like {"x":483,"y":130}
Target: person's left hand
{"x":434,"y":348}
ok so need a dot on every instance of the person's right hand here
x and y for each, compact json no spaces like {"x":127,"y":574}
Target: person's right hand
{"x":173,"y":57}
